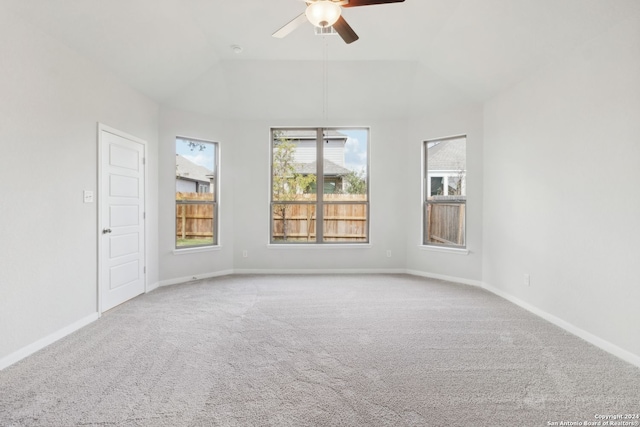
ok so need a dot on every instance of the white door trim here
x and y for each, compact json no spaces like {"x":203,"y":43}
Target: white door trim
{"x":104,"y":128}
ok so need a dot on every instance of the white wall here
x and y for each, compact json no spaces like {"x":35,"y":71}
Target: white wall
{"x":183,"y":265}
{"x":422,"y":260}
{"x":562,"y":168}
{"x":51,"y":102}
{"x":552,"y":164}
{"x":244,"y":225}
{"x":251,"y":203}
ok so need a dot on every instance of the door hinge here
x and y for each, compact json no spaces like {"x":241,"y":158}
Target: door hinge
{"x":144,"y":215}
{"x":145,"y":270}
{"x":144,"y":160}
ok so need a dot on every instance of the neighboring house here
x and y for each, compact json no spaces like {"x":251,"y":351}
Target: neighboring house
{"x":333,"y":165}
{"x":333,"y":175}
{"x":447,"y":168}
{"x":192,"y":178}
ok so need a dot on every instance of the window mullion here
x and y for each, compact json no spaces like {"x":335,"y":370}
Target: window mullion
{"x":330,"y":202}
{"x":444,"y":212}
{"x":319,"y":185}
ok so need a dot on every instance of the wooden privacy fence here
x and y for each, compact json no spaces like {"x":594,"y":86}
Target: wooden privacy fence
{"x":446,"y":222}
{"x":194,"y":220}
{"x":342,"y":221}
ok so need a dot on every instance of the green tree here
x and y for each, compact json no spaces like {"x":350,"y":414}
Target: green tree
{"x":355,"y":182}
{"x":199,"y":145}
{"x":288,"y":184}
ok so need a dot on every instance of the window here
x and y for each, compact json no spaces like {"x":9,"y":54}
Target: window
{"x":196,"y":193}
{"x":445,"y":192}
{"x":305,"y":161}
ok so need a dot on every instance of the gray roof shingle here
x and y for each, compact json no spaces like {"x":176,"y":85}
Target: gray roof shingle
{"x":448,"y":155}
{"x":186,"y":169}
{"x":330,"y":168}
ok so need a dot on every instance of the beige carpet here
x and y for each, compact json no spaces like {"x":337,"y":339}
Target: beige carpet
{"x":354,"y":350}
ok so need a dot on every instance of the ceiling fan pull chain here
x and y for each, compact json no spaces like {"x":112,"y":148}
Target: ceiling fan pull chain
{"x":324,"y":14}
{"x":325,"y":80}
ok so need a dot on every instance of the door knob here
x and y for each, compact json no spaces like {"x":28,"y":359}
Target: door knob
{"x":106,"y":230}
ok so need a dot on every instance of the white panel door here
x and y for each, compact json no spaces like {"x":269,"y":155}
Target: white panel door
{"x":122,"y":253}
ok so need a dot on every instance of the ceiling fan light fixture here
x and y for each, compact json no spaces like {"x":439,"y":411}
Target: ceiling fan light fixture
{"x":323,"y":13}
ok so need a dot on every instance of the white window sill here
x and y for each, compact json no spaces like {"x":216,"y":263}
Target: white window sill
{"x":444,"y":249}
{"x":318,"y":246}
{"x":186,"y":251}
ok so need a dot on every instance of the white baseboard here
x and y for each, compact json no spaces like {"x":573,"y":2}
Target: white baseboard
{"x":587,"y":336}
{"x":49,"y":339}
{"x":186,"y":279}
{"x":152,"y":287}
{"x":321,"y":271}
{"x":605,"y":345}
{"x":470,"y":282}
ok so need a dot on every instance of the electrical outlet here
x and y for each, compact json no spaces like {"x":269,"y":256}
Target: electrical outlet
{"x":245,"y":254}
{"x":527,"y":280}
{"x":388,"y":253}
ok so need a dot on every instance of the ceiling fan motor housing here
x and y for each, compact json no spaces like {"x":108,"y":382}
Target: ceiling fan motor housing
{"x":326,"y":15}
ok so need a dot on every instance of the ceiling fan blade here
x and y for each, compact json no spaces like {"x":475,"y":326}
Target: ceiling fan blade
{"x":292,"y":25}
{"x":345,"y":31}
{"x":355,"y":3}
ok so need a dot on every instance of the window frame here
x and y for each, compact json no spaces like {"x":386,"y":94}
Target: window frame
{"x":319,"y":201}
{"x":426,"y":190}
{"x":214,"y":202}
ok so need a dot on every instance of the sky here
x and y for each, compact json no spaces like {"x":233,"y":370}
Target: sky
{"x":355,"y":156}
{"x":355,"y":153}
{"x":202,"y":158}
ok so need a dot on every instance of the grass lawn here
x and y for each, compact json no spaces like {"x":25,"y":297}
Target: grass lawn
{"x":194,"y":242}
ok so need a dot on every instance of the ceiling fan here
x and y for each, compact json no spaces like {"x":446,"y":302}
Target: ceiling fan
{"x":328,"y":13}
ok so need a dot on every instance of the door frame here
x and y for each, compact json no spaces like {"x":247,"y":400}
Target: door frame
{"x":101,"y":201}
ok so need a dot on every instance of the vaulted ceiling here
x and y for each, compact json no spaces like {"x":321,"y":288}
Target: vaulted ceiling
{"x":412,"y":58}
